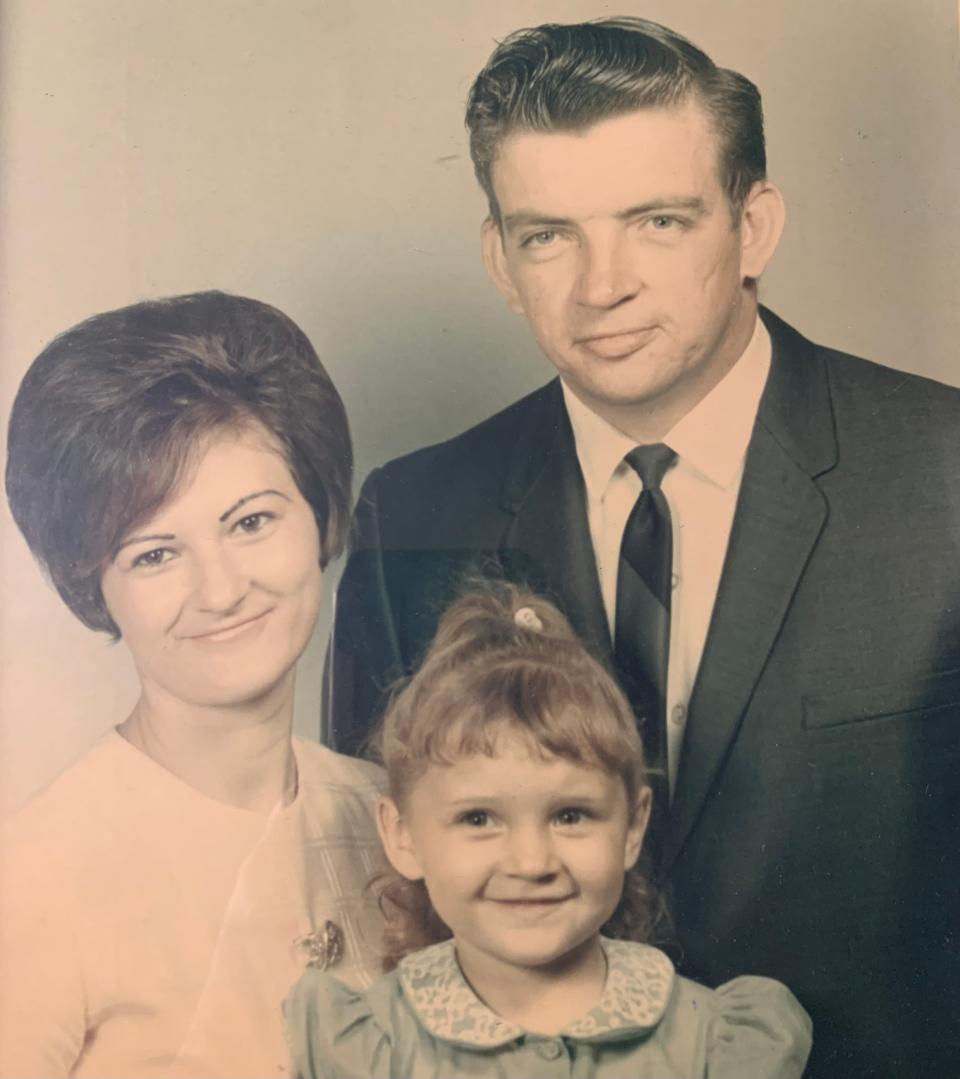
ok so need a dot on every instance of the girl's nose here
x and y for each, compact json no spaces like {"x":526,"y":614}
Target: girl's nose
{"x":530,"y":853}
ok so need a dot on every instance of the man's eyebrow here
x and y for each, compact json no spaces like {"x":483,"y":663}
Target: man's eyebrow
{"x":526,"y":218}
{"x":691,"y":204}
{"x":532,"y":219}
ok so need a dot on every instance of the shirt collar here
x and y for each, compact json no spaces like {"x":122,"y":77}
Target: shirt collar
{"x":635,"y":996}
{"x":712,"y":438}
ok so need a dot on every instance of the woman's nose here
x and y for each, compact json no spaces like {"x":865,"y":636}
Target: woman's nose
{"x":219,"y":581}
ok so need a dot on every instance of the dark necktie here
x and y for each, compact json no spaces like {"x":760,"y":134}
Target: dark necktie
{"x":642,"y":635}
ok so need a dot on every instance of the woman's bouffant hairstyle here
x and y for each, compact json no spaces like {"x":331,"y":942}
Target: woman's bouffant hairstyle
{"x":566,"y":77}
{"x":491,"y":671}
{"x":112,"y":412}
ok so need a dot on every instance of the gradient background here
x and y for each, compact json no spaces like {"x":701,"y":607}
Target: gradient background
{"x":311,"y":153}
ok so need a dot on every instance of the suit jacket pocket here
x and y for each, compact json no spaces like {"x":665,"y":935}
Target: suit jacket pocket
{"x":917,"y":697}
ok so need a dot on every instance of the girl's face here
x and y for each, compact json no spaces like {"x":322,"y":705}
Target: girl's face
{"x":216,"y":596}
{"x":523,"y":857}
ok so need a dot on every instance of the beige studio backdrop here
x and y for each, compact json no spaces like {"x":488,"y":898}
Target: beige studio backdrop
{"x":311,"y":153}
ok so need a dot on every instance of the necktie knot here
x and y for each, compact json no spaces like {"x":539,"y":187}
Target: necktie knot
{"x":650,"y":463}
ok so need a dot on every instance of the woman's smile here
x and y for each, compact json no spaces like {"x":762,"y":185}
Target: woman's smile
{"x":216,"y":596}
{"x":242,"y":629}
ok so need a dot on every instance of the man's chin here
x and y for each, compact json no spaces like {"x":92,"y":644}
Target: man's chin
{"x":621,"y":393}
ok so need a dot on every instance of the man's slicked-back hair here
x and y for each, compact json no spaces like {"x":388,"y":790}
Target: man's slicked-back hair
{"x":559,"y":77}
{"x":112,"y":412}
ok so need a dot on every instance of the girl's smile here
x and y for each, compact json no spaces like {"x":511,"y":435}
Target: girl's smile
{"x":523,"y":855}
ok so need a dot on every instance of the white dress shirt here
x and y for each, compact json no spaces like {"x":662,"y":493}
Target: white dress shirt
{"x":701,"y":490}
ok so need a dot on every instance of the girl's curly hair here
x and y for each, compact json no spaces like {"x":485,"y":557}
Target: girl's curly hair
{"x":504,"y":658}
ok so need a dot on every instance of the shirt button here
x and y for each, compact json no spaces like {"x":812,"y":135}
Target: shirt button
{"x":677,"y":713}
{"x":674,"y":580}
{"x":548,"y":1050}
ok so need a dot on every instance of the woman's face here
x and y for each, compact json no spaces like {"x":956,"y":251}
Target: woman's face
{"x":216,"y":596}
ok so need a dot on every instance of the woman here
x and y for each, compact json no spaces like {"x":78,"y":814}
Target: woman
{"x":182,"y":471}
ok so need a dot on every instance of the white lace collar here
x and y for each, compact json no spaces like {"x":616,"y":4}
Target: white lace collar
{"x":638,"y":986}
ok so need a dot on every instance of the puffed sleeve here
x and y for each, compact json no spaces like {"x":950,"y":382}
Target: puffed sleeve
{"x":42,"y":1004}
{"x":759,"y":1030}
{"x":332,"y":1031}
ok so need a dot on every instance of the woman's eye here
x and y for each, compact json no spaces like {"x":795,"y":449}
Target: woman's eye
{"x":156,"y":557}
{"x":253,"y":522}
{"x":476,"y":818}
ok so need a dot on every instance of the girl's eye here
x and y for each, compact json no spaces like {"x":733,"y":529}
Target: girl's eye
{"x":475,"y":818}
{"x":253,"y":522}
{"x":571,"y":815}
{"x":157,"y":557}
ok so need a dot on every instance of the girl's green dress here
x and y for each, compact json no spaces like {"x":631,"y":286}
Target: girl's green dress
{"x":423,"y":1021}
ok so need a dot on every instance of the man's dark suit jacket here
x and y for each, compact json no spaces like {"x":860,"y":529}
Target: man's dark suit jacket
{"x":814,"y":833}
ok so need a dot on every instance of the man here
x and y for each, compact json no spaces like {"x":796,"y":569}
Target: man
{"x":762,"y":537}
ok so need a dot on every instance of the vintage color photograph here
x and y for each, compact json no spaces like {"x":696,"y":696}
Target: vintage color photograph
{"x":480,"y":539}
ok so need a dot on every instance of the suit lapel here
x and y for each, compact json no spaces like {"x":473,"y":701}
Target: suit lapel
{"x":547,"y":542}
{"x":780,"y":514}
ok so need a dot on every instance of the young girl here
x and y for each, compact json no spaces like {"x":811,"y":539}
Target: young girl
{"x":516,"y":815}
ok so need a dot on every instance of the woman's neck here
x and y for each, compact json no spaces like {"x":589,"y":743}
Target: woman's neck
{"x":544,"y":999}
{"x":240,"y":755}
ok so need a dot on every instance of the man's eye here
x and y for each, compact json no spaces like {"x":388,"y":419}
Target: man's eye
{"x":476,"y":818}
{"x":572,"y":815}
{"x":540,"y":239}
{"x":156,"y":557}
{"x":665,"y":223}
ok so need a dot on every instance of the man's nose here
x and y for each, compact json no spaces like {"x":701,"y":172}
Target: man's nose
{"x":530,"y":853}
{"x":219,"y":582}
{"x":608,"y":273}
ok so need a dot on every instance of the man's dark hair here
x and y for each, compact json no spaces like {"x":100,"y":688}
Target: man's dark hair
{"x":567,"y":77}
{"x":112,"y":411}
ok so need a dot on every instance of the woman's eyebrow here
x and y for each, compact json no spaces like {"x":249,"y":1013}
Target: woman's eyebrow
{"x":249,"y":498}
{"x":166,"y":537}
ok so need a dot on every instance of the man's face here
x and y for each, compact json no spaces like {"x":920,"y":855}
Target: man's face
{"x":620,"y":247}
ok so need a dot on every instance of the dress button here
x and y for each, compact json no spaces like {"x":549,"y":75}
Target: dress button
{"x":677,"y":712}
{"x":548,"y":1050}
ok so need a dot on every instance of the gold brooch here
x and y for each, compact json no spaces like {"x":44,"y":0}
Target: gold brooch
{"x":324,"y":948}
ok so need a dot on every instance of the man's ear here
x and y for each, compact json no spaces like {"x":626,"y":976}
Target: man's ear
{"x":638,"y":828}
{"x":761,"y":225}
{"x":495,"y":261}
{"x":396,"y":840}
